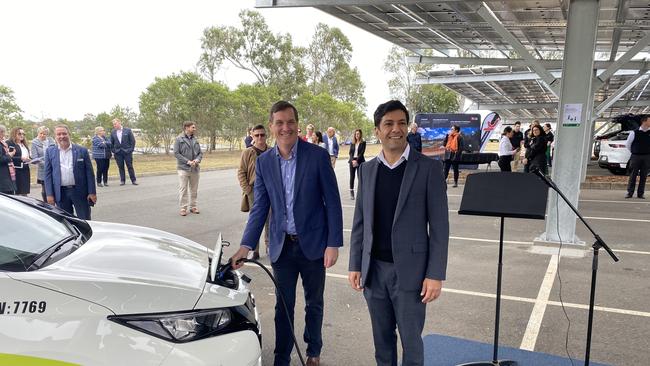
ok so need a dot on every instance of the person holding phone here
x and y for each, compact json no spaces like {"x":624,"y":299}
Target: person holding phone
{"x":21,"y":160}
{"x":7,"y":172}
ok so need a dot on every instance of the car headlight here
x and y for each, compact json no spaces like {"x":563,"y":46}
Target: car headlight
{"x":192,"y":325}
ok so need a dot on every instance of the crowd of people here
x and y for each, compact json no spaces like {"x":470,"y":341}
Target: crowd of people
{"x":64,"y":170}
{"x":533,"y":148}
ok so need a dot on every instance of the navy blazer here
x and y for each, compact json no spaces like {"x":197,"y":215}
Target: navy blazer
{"x":84,"y":177}
{"x":335,"y":145}
{"x":128,"y":141}
{"x":316,"y":207}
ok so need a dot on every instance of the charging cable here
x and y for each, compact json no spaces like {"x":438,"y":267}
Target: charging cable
{"x":284,"y":304}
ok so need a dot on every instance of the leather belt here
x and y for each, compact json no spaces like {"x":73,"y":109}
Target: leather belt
{"x":291,"y":237}
{"x":67,"y":187}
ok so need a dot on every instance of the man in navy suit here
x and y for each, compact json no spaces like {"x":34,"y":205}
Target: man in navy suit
{"x":296,"y":182}
{"x":331,"y":145}
{"x":69,"y":176}
{"x":123,"y":143}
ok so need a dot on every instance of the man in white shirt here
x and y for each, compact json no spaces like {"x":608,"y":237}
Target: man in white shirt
{"x":69,"y":176}
{"x":123,"y":144}
{"x":331,"y":145}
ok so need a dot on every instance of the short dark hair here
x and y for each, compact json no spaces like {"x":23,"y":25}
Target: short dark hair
{"x":456,"y":127}
{"x":507,"y":130}
{"x":547,"y":125}
{"x":187,"y":124}
{"x":258,"y":127}
{"x":518,"y":123}
{"x":391,"y":105}
{"x":280,"y":106}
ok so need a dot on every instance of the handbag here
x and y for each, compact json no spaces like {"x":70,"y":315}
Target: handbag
{"x":244,"y":203}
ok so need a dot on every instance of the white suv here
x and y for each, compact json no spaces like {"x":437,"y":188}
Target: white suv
{"x":614,"y":155}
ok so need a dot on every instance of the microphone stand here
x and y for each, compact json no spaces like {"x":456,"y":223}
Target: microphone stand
{"x":599,"y":243}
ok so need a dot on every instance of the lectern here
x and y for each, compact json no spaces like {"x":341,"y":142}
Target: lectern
{"x":503,"y":194}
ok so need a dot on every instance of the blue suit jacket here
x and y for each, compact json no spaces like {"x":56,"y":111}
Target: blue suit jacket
{"x":84,"y":177}
{"x":335,"y":145}
{"x":316,"y":209}
{"x":128,"y":141}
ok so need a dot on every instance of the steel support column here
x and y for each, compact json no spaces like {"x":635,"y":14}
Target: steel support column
{"x":570,"y":141}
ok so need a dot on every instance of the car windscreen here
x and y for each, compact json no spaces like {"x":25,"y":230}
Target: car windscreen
{"x":620,"y":136}
{"x":26,"y":233}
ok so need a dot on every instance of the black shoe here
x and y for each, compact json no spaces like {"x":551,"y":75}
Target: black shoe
{"x":122,"y":183}
{"x":134,"y":183}
{"x":641,"y":197}
{"x":629,"y":195}
{"x":99,"y":185}
{"x":105,"y":184}
{"x":455,"y":185}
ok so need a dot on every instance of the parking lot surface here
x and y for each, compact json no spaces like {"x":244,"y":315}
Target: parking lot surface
{"x":532,"y":316}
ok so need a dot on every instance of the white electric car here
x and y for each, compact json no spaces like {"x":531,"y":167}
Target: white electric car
{"x":614,"y":155}
{"x":92,"y":293}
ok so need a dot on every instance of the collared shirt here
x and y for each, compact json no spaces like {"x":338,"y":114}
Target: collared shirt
{"x":505,"y":146}
{"x":288,"y":171}
{"x":119,"y":135}
{"x":330,"y":145}
{"x":630,"y":138}
{"x":66,"y":163}
{"x":403,"y":158}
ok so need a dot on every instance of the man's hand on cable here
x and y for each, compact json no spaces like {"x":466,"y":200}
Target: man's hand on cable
{"x":242,"y":253}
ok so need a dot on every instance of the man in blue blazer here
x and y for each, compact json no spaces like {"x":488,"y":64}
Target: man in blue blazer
{"x":123,"y":144}
{"x":295,"y":181}
{"x":69,"y":177}
{"x":332,"y":145}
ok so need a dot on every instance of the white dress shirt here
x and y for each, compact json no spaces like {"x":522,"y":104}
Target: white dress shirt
{"x":119,"y":135}
{"x":630,"y":138}
{"x":505,"y":146}
{"x":66,"y":163}
{"x":403,"y":158}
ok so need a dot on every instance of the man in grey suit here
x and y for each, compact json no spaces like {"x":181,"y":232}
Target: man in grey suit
{"x":400,"y":233}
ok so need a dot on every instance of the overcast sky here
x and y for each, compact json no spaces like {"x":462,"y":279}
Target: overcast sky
{"x":67,"y":58}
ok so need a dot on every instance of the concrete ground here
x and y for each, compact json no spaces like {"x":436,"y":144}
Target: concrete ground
{"x":532,"y":317}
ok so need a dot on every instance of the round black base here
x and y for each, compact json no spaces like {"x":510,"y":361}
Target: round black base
{"x":491,"y":363}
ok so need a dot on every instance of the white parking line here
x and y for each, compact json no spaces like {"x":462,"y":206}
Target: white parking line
{"x":537,"y":315}
{"x":627,"y":202}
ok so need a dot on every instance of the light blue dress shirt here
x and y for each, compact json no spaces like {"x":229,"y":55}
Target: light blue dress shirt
{"x":288,"y":171}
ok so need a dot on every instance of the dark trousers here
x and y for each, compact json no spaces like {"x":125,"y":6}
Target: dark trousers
{"x":102,"y":170}
{"x":68,"y":201}
{"x":43,"y":194}
{"x":353,"y":173}
{"x":504,"y":163}
{"x":639,"y":165}
{"x":389,"y":308}
{"x":449,"y":164}
{"x":290,"y":264}
{"x":120,"y":159}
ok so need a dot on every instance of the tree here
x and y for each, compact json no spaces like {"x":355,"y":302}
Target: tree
{"x":10,"y":112}
{"x":164,"y":106}
{"x":249,"y":106}
{"x":328,"y":65}
{"x":325,"y":111}
{"x":417,"y":98}
{"x":208,"y":102}
{"x":270,"y":58}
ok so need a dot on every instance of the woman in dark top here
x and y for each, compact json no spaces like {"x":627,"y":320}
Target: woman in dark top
{"x":536,"y":152}
{"x":7,"y":172}
{"x":21,"y":160}
{"x":357,"y":149}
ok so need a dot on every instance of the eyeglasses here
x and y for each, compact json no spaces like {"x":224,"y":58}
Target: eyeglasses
{"x":259,"y":135}
{"x":21,"y":133}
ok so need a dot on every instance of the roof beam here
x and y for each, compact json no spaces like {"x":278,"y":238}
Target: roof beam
{"x":618,"y":64}
{"x":548,"y":64}
{"x":513,"y":106}
{"x":452,"y":79}
{"x":620,"y":92}
{"x":486,"y":13}
{"x":315,"y":3}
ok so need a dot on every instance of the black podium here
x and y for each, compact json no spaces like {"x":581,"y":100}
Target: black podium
{"x":503,"y":194}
